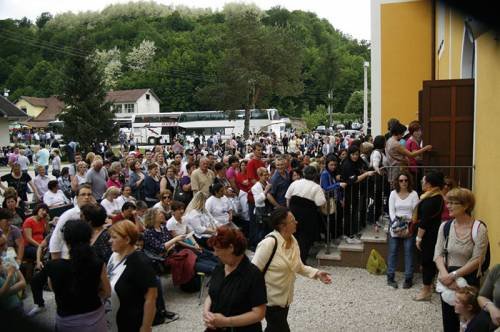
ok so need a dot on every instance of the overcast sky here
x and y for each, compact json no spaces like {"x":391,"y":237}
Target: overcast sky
{"x":349,"y":16}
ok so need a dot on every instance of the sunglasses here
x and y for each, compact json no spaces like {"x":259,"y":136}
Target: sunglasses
{"x":166,"y":197}
{"x":403,"y":180}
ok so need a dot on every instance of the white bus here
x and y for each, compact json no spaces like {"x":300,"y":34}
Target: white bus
{"x":231,"y":122}
{"x":160,"y":128}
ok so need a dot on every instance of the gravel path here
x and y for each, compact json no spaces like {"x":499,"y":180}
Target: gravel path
{"x":355,"y":301}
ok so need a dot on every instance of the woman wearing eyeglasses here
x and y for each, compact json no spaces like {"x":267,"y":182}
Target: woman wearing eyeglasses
{"x":460,"y":249}
{"x":402,"y":202}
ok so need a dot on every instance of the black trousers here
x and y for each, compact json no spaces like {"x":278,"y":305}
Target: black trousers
{"x":37,"y":283}
{"x":451,"y":323}
{"x":276,"y":318}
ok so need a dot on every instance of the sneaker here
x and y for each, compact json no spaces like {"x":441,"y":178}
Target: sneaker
{"x":407,"y":284}
{"x":353,"y":240}
{"x":35,"y":311}
{"x":392,"y":283}
{"x":170,"y":316}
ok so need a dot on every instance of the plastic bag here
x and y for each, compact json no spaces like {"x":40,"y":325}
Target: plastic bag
{"x":376,"y":263}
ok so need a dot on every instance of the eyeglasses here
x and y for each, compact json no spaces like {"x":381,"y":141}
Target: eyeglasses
{"x":453,"y":203}
{"x":403,"y":180}
{"x":166,"y":197}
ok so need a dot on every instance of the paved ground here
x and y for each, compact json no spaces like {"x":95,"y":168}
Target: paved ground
{"x":355,"y":301}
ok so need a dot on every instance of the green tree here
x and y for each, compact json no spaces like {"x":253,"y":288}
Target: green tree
{"x":259,"y":62}
{"x":87,"y":117}
{"x":43,"y":19}
{"x":355,"y":103}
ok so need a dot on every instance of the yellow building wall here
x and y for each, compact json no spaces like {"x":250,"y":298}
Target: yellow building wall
{"x":487,"y":157}
{"x":452,"y":50}
{"x":31,"y":110}
{"x":406,"y":57}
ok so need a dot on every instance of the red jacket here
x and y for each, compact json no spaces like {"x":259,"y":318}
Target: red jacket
{"x":182,"y":266}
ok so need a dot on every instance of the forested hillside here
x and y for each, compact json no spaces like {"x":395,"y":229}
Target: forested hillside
{"x":178,"y":53}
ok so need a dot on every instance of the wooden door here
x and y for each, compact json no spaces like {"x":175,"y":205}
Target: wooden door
{"x":447,"y":115}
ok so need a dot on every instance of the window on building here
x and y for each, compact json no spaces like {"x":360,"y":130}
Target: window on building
{"x":128,"y":108}
{"x":147,"y":96}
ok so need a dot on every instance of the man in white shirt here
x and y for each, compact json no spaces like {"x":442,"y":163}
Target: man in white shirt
{"x":57,"y":246}
{"x":23,"y":161}
{"x":41,"y":181}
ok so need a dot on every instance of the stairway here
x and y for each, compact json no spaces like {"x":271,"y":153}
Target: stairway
{"x":356,"y":255}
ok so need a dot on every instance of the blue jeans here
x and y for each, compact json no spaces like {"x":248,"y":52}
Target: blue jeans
{"x":408,"y":245}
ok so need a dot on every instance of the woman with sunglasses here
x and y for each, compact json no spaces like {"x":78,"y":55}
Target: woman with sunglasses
{"x":164,"y":203}
{"x":402,"y":202}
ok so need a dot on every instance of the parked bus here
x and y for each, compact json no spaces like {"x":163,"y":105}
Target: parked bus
{"x":160,"y":128}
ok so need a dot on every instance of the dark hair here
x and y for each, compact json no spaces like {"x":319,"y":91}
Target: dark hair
{"x":65,"y":171}
{"x":398,"y":129}
{"x":331,"y":157}
{"x":278,"y":216}
{"x":190,"y":165}
{"x":413,"y":127}
{"x":83,"y":259}
{"x":111,"y":172}
{"x":257,"y":145}
{"x":410,"y":181}
{"x":5,"y":214}
{"x":435,"y":179}
{"x":95,"y":215}
{"x":215,"y":188}
{"x":310,"y":173}
{"x":39,"y":207}
{"x":128,"y":205}
{"x":232,"y":159}
{"x":379,"y":142}
{"x":176,"y":205}
{"x":298,"y":171}
{"x":52,"y":184}
{"x":391,"y":123}
{"x":227,"y":236}
{"x":352,"y":149}
{"x":141,"y":205}
{"x":219,"y":166}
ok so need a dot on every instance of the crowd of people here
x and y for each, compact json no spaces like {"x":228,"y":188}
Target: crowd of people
{"x":102,"y":230}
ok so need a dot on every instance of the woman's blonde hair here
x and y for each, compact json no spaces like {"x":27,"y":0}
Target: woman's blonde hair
{"x":464,"y":197}
{"x":111,"y":190}
{"x":90,"y":157}
{"x":197,"y":203}
{"x":150,"y":216}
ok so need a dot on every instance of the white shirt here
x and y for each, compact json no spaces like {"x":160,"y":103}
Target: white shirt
{"x":57,"y":198}
{"x":219,"y":209}
{"x":402,"y":207}
{"x":199,"y":222}
{"x":180,"y":228}
{"x":258,"y":194}
{"x":306,"y":189}
{"x":41,"y":184}
{"x":57,"y":243}
{"x":111,"y":207}
{"x":24,"y":162}
{"x":56,"y":163}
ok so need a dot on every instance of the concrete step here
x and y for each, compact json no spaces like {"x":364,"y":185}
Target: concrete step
{"x":344,"y":246}
{"x":369,"y":234}
{"x":323,"y":258}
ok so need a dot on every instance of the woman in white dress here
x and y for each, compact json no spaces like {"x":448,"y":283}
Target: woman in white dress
{"x":218,"y":205}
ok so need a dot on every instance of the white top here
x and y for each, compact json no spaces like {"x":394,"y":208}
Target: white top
{"x":306,"y":189}
{"x":162,"y":209}
{"x":179,"y":228}
{"x":111,"y":207}
{"x":402,"y":207}
{"x":57,"y":198}
{"x":219,"y":208}
{"x":199,"y":222}
{"x":57,"y":243}
{"x":24,"y":162}
{"x":376,"y":159}
{"x":258,"y":194}
{"x":41,"y":184}
{"x":56,"y":163}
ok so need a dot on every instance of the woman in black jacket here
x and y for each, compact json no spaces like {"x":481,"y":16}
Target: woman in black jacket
{"x":428,"y":214}
{"x":355,"y":198}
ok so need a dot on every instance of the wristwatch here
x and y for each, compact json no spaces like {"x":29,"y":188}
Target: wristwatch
{"x":454,"y":275}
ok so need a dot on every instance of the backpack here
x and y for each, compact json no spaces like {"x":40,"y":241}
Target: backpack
{"x":475,"y":228}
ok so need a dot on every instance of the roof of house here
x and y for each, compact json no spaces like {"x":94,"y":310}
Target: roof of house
{"x":122,"y":96}
{"x":53,"y":106}
{"x":9,"y":110}
{"x":35,"y":101}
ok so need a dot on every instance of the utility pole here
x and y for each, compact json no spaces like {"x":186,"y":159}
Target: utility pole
{"x":366,"y":64}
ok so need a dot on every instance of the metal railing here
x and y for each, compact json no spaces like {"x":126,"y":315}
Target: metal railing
{"x":366,"y":202}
